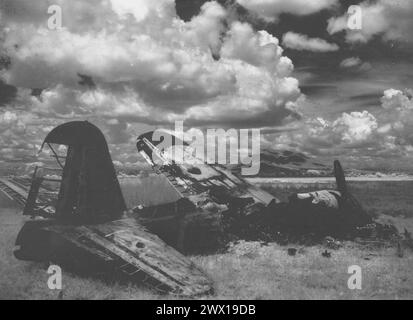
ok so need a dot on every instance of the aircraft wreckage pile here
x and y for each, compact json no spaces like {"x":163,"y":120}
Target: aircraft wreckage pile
{"x":79,"y":219}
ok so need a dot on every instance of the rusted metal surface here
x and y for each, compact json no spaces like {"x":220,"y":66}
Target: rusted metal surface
{"x":201,"y":181}
{"x":325,"y":198}
{"x":336,"y":206}
{"x":184,"y":227}
{"x":248,"y":212}
{"x":90,"y":189}
{"x":89,"y":224}
{"x":13,"y":191}
{"x":33,"y":199}
{"x":215,"y":195}
{"x":140,"y":255}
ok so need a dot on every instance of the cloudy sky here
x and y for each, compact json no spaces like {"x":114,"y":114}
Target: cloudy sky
{"x":289,"y":67}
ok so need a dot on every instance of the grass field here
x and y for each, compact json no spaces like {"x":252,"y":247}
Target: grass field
{"x":248,"y":270}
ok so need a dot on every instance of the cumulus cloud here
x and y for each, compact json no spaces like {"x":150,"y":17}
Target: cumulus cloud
{"x":271,"y":9}
{"x":396,"y":100}
{"x":9,"y":120}
{"x":376,"y":138}
{"x":355,"y":64}
{"x":126,"y":64}
{"x":388,"y":19}
{"x":301,"y":42}
{"x":350,"y":129}
{"x":148,"y":65}
{"x":122,"y":63}
{"x":355,"y":127}
{"x":398,"y":116}
{"x":13,"y":129}
{"x":351,"y":62}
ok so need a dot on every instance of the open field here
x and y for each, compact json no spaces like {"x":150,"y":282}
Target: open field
{"x":248,"y":270}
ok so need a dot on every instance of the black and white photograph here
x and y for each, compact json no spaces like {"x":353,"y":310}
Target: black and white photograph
{"x":197,"y":151}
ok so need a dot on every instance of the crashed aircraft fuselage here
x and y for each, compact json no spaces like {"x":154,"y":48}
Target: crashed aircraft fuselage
{"x":244,"y":211}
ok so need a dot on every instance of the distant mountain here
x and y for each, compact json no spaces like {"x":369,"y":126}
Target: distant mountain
{"x":286,"y":163}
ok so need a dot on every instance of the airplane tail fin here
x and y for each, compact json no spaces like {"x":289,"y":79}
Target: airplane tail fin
{"x":89,"y":188}
{"x":340,"y":177}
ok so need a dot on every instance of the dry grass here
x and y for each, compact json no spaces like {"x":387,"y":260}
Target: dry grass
{"x":251,"y":273}
{"x":271,"y":273}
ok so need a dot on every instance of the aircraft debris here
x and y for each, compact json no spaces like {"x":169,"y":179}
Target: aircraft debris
{"x":332,"y":243}
{"x":326,"y":254}
{"x":215,"y":193}
{"x":79,"y":217}
{"x":13,"y":191}
{"x":246,"y":212}
{"x":88,"y":230}
{"x":292,"y":252}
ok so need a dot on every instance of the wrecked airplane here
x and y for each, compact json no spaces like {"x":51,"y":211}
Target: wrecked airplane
{"x":217,"y":201}
{"x":87,"y":231}
{"x":79,"y":219}
{"x":242,"y":210}
{"x":326,"y":212}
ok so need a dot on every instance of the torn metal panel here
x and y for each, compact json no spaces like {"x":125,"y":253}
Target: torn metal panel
{"x":144,"y":255}
{"x":224,"y":204}
{"x":89,"y":190}
{"x":32,"y":198}
{"x":327,"y":211}
{"x":185,"y":227}
{"x":340,"y":177}
{"x":194,"y":177}
{"x":325,"y":198}
{"x":122,"y":246}
{"x":247,"y":211}
{"x":13,"y":191}
{"x":87,"y":229}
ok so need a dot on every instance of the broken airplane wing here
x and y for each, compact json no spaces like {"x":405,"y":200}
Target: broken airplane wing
{"x":86,"y":230}
{"x":13,"y":191}
{"x":122,"y":246}
{"x":190,"y":181}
